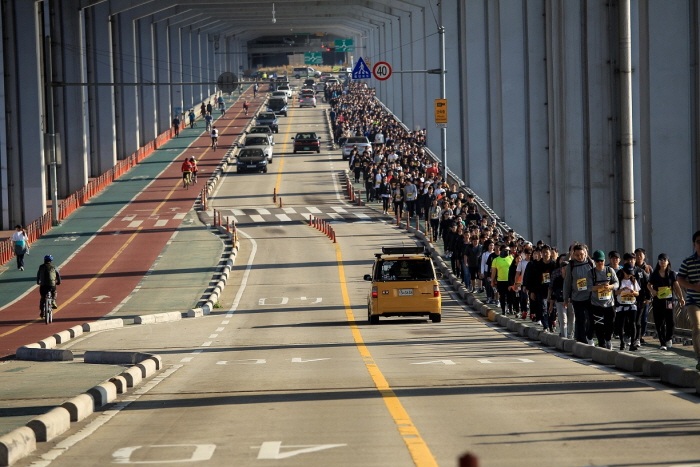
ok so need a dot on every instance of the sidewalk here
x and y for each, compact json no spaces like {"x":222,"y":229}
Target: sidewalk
{"x":681,"y":354}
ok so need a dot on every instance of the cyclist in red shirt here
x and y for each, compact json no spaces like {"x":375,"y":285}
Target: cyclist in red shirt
{"x":187,"y":168}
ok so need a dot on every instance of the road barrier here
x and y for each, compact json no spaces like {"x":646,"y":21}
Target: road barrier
{"x":323,"y":226}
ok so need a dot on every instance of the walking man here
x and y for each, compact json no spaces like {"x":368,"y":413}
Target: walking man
{"x":689,"y":277}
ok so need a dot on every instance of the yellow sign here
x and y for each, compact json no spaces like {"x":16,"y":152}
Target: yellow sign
{"x":440,"y":110}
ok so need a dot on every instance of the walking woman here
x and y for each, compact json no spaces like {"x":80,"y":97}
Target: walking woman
{"x":663,"y":285}
{"x":21,"y":244}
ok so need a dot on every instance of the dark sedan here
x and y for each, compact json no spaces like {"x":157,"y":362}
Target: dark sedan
{"x":307,"y":142}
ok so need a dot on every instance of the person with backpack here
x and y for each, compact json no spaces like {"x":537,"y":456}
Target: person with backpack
{"x":577,"y":292}
{"x":602,"y":282}
{"x":626,"y":299}
{"x":663,"y":284}
{"x":47,"y":277}
{"x":20,"y":241}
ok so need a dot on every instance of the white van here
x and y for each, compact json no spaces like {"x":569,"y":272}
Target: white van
{"x":303,"y":72}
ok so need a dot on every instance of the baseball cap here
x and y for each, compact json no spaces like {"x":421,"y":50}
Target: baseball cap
{"x":598,"y":255}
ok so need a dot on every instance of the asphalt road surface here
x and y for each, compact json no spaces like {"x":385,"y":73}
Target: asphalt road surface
{"x":289,"y":373}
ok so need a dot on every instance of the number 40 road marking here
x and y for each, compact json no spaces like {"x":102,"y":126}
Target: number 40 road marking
{"x":271,"y":449}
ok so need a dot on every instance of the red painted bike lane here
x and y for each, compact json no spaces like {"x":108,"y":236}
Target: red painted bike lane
{"x":108,"y":268}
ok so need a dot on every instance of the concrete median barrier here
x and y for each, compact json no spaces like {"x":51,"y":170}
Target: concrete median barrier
{"x":34,"y":354}
{"x":491,"y":315}
{"x":510,"y":325}
{"x":17,"y":444}
{"x":76,"y":331}
{"x":569,"y":345}
{"x":158,"y":318}
{"x":629,"y":362}
{"x":79,"y":407}
{"x":523,"y":330}
{"x":195,"y":313}
{"x":103,"y":394}
{"x":604,"y":356}
{"x":652,"y":367}
{"x":548,"y":339}
{"x":62,"y":337}
{"x":534,"y":333}
{"x":112,"y":358}
{"x":581,"y":350}
{"x":103,"y":324}
{"x":679,"y":376}
{"x":48,"y":343}
{"x":119,"y":383}
{"x":133,"y":376}
{"x":502,"y":320}
{"x":46,"y":427}
{"x":148,"y":368}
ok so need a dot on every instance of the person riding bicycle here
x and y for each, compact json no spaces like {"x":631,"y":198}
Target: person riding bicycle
{"x":208,"y":118}
{"x":192,"y":118}
{"x":48,"y":277}
{"x":245,"y":107}
{"x":186,"y":171}
{"x":195,"y":169}
{"x":214,"y":136}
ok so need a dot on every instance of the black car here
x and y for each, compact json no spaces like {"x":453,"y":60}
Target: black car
{"x":267,"y":119}
{"x":307,"y":142}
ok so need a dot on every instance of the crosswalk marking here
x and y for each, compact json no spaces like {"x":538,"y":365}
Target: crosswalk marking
{"x":289,"y":210}
{"x":262,"y":211}
{"x":361,"y":216}
{"x":256,"y":218}
{"x":338,"y":209}
{"x":283,"y":217}
{"x":180,"y":215}
{"x":237,"y":212}
{"x":135,"y":224}
{"x":335,"y":215}
{"x":161,"y":222}
{"x":313,"y":210}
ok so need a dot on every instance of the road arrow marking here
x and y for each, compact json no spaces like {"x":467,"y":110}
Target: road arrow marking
{"x":271,"y":449}
{"x":99,"y":298}
{"x":249,"y":361}
{"x":301,"y":360}
{"x":444,"y":362}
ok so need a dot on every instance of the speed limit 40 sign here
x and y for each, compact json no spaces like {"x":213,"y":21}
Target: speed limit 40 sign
{"x":381,"y":71}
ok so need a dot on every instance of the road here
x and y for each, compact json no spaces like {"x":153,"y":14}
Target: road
{"x":289,"y":373}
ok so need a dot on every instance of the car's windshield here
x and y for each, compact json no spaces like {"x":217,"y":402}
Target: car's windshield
{"x":266,"y":116}
{"x":276,"y":104}
{"x":357,"y":139}
{"x":283,"y":87}
{"x":260,"y":129}
{"x":404,"y":270}
{"x":255,"y":141}
{"x":250,"y":153}
{"x":305,"y":136}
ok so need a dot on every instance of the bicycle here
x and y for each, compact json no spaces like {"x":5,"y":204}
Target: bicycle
{"x":208,"y":126}
{"x":187,"y":180}
{"x":214,"y":143}
{"x":193,"y":176}
{"x":47,"y":307}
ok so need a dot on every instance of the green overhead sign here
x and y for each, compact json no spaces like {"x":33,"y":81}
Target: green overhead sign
{"x":344,"y":45}
{"x":313,"y":58}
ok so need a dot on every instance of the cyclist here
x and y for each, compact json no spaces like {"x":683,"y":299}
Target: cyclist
{"x":48,"y":277}
{"x":176,"y":125}
{"x":214,"y":138}
{"x":186,"y":172}
{"x":245,"y":107}
{"x":191,"y":116}
{"x":193,"y":162}
{"x":208,"y":119}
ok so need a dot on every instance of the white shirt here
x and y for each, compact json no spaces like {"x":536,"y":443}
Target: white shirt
{"x":214,"y":133}
{"x":19,"y":237}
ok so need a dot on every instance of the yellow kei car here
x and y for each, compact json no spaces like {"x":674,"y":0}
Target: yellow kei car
{"x":404,"y":283}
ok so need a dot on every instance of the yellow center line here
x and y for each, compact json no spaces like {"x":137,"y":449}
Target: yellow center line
{"x":417,"y":447}
{"x":84,"y":287}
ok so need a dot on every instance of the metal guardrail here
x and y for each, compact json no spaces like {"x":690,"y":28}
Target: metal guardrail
{"x":682,"y":331}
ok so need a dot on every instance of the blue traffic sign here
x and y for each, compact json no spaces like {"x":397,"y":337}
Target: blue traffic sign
{"x":361,"y":71}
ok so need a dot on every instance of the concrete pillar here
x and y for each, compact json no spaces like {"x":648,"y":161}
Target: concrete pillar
{"x":70,"y":112}
{"x":451,"y":13}
{"x":147,"y":66}
{"x":26,"y":173}
{"x":126,"y":97}
{"x":101,"y":120}
{"x":4,"y":188}
{"x":177,"y":91}
{"x":187,"y":67}
{"x":163,"y":103}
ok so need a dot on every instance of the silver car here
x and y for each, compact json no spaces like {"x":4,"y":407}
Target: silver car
{"x":281,"y":94}
{"x":307,"y":99}
{"x":260,"y":141}
{"x":361,"y":142}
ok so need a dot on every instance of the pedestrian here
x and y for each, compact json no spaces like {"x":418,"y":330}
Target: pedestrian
{"x":192,"y":117}
{"x":663,"y":284}
{"x":176,"y":125}
{"x":565,"y":315}
{"x":500,"y":268}
{"x":411,"y":195}
{"x":689,"y":277}
{"x":514,"y":288}
{"x":602,"y":281}
{"x":209,"y":107}
{"x":485,"y":269}
{"x":255,"y":90}
{"x":576,"y":291}
{"x":21,"y":245}
{"x":385,"y":194}
{"x":626,"y":311}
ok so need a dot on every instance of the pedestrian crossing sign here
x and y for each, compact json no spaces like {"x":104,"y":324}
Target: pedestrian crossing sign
{"x":361,"y":70}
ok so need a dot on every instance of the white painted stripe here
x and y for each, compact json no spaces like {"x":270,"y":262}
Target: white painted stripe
{"x":129,"y":218}
{"x":262,"y":211}
{"x":361,"y":216}
{"x":338,"y":209}
{"x":224,"y":321}
{"x":306,"y":215}
{"x":283,"y":217}
{"x":180,"y":215}
{"x":219,"y":329}
{"x":198,"y":351}
{"x":313,"y":210}
{"x":237,"y":212}
{"x":289,"y":210}
{"x":161,"y":223}
{"x":246,"y":273}
{"x":186,"y":360}
{"x":256,"y":218}
{"x":335,"y":216}
{"x":213,"y":336}
{"x":206,"y":344}
{"x":135,"y":224}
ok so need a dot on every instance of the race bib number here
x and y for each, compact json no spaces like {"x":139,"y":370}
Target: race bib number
{"x":409,"y":196}
{"x":604,"y":294}
{"x":627,"y":298}
{"x":663,"y":293}
{"x":546,"y":278}
{"x":582,"y":284}
{"x":434,"y":215}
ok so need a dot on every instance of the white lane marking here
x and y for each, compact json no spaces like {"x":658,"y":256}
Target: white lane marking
{"x":198,"y":351}
{"x":313,"y":210}
{"x":63,"y":446}
{"x":201,"y":452}
{"x":224,"y":321}
{"x":161,"y":223}
{"x":271,"y":449}
{"x":248,"y":361}
{"x":301,"y":360}
{"x":283,"y":301}
{"x":180,"y":215}
{"x":135,"y":224}
{"x":206,"y":344}
{"x":444,"y":362}
{"x":129,"y":218}
{"x":262,"y":211}
{"x":219,"y":329}
{"x":361,"y":216}
{"x":283,"y":217}
{"x":237,"y":212}
{"x":246,"y":273}
{"x":213,"y":336}
{"x":186,"y":360}
{"x":335,"y":216}
{"x":289,"y":210}
{"x":306,"y":215}
{"x":338,"y":209}
{"x":256,"y":218}
{"x":506,"y":360}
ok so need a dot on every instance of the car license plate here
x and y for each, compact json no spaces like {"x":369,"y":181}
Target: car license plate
{"x":405,"y":292}
{"x":252,"y":166}
{"x":306,"y":148}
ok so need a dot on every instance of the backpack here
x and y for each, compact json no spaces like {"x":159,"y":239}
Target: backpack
{"x":48,"y":275}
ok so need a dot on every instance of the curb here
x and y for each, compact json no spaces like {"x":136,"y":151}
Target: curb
{"x":21,"y":442}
